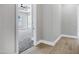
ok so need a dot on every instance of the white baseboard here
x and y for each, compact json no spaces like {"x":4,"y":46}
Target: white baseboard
{"x":45,"y":41}
{"x":49,"y":42}
{"x":58,"y":38}
{"x":62,"y":35}
{"x":69,"y":36}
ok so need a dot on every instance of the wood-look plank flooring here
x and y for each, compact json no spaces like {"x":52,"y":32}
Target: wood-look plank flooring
{"x":66,"y":46}
{"x":63,"y":46}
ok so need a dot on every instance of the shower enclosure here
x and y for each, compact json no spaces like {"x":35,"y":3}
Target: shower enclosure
{"x":25,"y":28}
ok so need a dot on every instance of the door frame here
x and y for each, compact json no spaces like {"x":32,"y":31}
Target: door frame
{"x":77,"y":21}
{"x":34,"y":23}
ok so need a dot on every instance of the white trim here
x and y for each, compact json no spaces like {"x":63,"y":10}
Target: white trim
{"x":34,"y":28}
{"x":58,"y":38}
{"x":77,"y":20}
{"x":70,"y":36}
{"x":63,"y":35}
{"x":45,"y":41}
{"x":16,"y":37}
{"x":49,"y":42}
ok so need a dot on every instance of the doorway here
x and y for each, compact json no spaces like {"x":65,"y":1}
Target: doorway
{"x":25,"y":27}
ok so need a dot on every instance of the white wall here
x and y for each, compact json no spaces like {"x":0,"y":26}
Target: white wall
{"x":39,"y":20}
{"x":54,"y":19}
{"x":51,"y":22}
{"x":69,"y":20}
{"x":7,"y":28}
{"x":48,"y":21}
